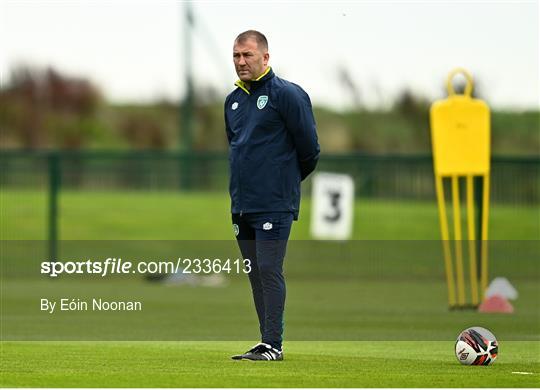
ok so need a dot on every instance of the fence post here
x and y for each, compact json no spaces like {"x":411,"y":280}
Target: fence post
{"x":186,"y":167}
{"x":54,"y":187}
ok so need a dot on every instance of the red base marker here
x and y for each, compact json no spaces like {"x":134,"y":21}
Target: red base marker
{"x":496,"y":304}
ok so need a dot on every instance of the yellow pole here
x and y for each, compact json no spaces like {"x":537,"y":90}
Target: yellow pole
{"x":485,"y":210}
{"x":445,"y":241}
{"x":457,"y":239}
{"x":472,"y":240}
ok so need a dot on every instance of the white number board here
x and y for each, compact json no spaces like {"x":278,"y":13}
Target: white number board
{"x":332,"y":206}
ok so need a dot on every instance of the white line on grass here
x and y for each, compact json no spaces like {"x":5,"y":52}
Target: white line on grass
{"x":522,"y":373}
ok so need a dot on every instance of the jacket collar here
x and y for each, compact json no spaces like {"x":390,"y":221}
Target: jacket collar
{"x":254,"y":84}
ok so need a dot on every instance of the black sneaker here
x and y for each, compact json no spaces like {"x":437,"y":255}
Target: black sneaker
{"x":261,"y":351}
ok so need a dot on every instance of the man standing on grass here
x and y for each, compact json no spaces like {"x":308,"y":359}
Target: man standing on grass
{"x":273,"y":146}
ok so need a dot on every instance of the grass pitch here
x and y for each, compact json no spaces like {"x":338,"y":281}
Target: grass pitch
{"x":306,"y":364}
{"x":388,"y":304}
{"x":140,"y":215}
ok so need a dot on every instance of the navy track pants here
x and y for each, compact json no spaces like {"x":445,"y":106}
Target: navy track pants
{"x":262,"y":238}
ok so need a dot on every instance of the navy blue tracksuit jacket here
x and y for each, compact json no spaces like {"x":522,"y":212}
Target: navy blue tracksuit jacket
{"x":272,"y":144}
{"x":272,"y":147}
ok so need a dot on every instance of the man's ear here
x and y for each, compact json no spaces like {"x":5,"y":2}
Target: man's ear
{"x":266,"y":58}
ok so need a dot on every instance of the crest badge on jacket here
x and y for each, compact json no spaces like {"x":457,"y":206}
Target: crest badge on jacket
{"x":261,"y":101}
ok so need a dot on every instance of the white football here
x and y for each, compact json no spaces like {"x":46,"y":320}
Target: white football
{"x":476,"y":346}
